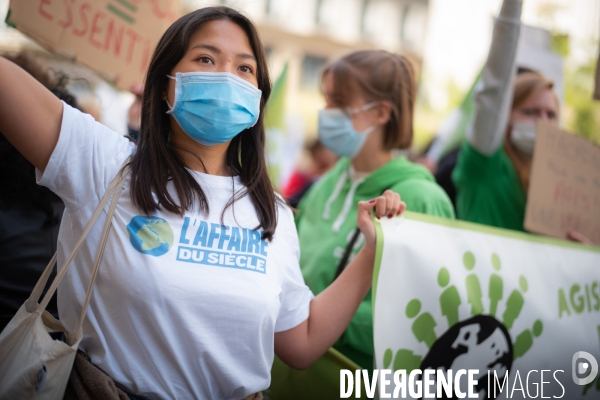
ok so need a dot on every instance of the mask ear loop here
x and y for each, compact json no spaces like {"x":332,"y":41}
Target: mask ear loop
{"x":175,"y":79}
{"x":364,"y":108}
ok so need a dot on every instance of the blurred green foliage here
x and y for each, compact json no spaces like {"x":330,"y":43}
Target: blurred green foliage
{"x":560,"y":44}
{"x":582,"y":114}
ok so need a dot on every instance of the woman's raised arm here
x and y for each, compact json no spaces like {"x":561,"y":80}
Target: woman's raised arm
{"x":494,"y":98}
{"x":30,"y":115}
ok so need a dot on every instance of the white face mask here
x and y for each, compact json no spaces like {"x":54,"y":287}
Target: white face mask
{"x":523,"y":136}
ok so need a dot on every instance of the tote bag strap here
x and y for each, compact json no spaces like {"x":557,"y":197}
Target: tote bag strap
{"x":105,"y":231}
{"x":114,"y":190}
{"x":32,"y":303}
{"x":34,"y":297}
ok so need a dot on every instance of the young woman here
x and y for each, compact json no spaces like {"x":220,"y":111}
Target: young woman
{"x":492,"y":177}
{"x":199,"y":282}
{"x":369,"y":111}
{"x":494,"y":164}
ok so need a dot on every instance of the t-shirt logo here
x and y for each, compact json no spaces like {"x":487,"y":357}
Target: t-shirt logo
{"x":150,"y":235}
{"x":217,"y":245}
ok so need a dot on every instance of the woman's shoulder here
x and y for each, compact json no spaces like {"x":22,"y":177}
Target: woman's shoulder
{"x":403,"y":174}
{"x":86,"y":158}
{"x":425,"y":196}
{"x":285,"y":213}
{"x":286,"y":224}
{"x":419,"y":188}
{"x":80,"y":127}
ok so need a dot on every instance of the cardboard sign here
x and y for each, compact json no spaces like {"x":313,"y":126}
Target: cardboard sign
{"x":115,"y":38}
{"x":564,"y":189}
{"x":518,"y":310}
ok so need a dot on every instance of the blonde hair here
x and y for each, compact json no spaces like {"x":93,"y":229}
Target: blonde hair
{"x":529,"y":84}
{"x":379,"y":75}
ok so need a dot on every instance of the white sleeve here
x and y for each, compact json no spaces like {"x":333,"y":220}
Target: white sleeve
{"x":493,"y":100}
{"x":296,"y":296}
{"x":86,"y":158}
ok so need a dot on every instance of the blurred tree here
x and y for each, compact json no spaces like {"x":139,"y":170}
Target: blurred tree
{"x":582,"y":114}
{"x":560,"y":44}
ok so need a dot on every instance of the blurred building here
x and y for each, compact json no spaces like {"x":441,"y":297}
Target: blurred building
{"x":307,"y":34}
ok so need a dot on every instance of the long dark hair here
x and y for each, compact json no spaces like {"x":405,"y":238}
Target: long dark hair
{"x":157,"y":160}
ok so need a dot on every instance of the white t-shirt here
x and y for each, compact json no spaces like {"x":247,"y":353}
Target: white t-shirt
{"x":182,"y":308}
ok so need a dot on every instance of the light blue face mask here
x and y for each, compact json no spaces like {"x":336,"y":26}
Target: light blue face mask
{"x":337,"y":133}
{"x":214,"y":107}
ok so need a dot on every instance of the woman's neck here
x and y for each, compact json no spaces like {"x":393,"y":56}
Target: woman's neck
{"x":372,"y":155}
{"x":521,"y":162}
{"x":198,"y":157}
{"x":369,"y":162}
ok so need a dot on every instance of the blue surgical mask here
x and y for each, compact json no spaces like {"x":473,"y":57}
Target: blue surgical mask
{"x":214,"y":107}
{"x":337,"y":133}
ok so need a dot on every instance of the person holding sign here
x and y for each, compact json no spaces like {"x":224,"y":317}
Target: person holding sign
{"x":492,"y":172}
{"x":494,"y":164}
{"x":199,"y":283}
{"x":369,"y":110}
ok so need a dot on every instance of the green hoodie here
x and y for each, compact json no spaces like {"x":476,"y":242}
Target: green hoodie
{"x":327,"y":220}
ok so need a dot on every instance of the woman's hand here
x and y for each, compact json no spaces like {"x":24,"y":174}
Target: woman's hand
{"x":386,"y":205}
{"x":578,"y":237}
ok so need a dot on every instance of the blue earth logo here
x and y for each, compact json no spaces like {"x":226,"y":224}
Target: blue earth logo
{"x":150,"y":235}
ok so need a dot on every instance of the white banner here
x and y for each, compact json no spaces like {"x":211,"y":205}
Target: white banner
{"x":456,"y":296}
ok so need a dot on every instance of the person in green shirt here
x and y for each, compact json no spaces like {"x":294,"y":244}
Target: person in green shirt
{"x":492,"y":186}
{"x":369,"y":112}
{"x":494,"y":164}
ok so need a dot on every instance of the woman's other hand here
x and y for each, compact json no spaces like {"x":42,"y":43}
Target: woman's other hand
{"x":387,"y":205}
{"x":578,"y":237}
